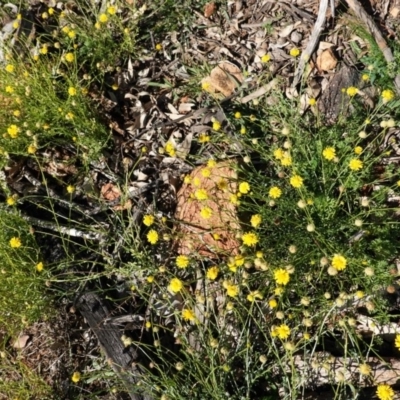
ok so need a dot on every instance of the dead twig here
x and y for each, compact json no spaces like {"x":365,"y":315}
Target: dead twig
{"x":319,"y":24}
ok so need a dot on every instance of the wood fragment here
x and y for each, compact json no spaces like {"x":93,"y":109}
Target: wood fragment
{"x":122,"y":358}
{"x":319,"y":24}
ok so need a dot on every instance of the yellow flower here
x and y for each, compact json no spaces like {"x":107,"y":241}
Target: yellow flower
{"x":206,"y":86}
{"x":69,"y":57}
{"x":103,"y":18}
{"x":243,"y":130}
{"x":32,"y":149}
{"x":45,"y":15}
{"x":273,"y":303}
{"x":296,"y":181}
{"x":279,"y":154}
{"x":211,"y":163}
{"x":397,"y":341}
{"x":216,"y":125}
{"x":188,"y":315}
{"x":16,"y":113}
{"x":50,"y":10}
{"x":111,"y":10}
{"x":148,"y":220}
{"x":238,"y":115}
{"x":158,"y":46}
{"x":13,"y":131}
{"x":206,"y":212}
{"x":71,"y":34}
{"x":387,"y":95}
{"x":11,"y":201}
{"x":72,"y":91}
{"x":339,"y":262}
{"x":76,"y":377}
{"x":265,"y":58}
{"x":150,"y":279}
{"x":182,"y":261}
{"x":312,"y":102}
{"x":294,"y":52}
{"x":15,"y":24}
{"x":281,"y":331}
{"x":97,"y":25}
{"x":234,"y":199}
{"x":65,"y":29}
{"x":9,"y":89}
{"x":281,"y":276}
{"x":175,"y":285}
{"x":255,"y":220}
{"x":286,"y":160}
{"x":329,"y":153}
{"x":201,"y":194}
{"x":254,"y":295}
{"x":205,"y":172}
{"x":351,"y":91}
{"x":70,"y":189}
{"x":152,"y":236}
{"x":358,"y":150}
{"x":212,"y":273}
{"x":250,"y":239}
{"x":278,"y":290}
{"x":365,"y":77}
{"x":15,"y":242}
{"x":275,"y":192}
{"x":203,"y":138}
{"x":39,"y":267}
{"x":244,"y":188}
{"x":9,"y":68}
{"x":232,"y":290}
{"x":384,"y":392}
{"x":364,"y":369}
{"x":170,"y":149}
{"x":355,"y":164}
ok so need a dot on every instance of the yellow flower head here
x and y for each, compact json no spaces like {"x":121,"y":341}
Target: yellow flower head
{"x":13,"y":131}
{"x":111,"y":10}
{"x":39,"y":267}
{"x":286,"y":161}
{"x":211,"y":163}
{"x":255,"y":220}
{"x":152,"y":236}
{"x":216,"y":125}
{"x":358,"y":150}
{"x":103,"y":18}
{"x":329,"y":153}
{"x":339,"y":262}
{"x":279,"y":154}
{"x":250,"y":239}
{"x":384,"y":392}
{"x":182,"y":261}
{"x":254,"y":295}
{"x":76,"y":377}
{"x":203,"y":138}
{"x":244,"y":188}
{"x":281,"y":276}
{"x":387,"y":95}
{"x":237,"y":115}
{"x":397,"y":341}
{"x":351,"y":91}
{"x":10,"y":68}
{"x":148,"y":220}
{"x":355,"y":164}
{"x":158,"y":46}
{"x":294,"y":52}
{"x":312,"y":102}
{"x":206,"y":212}
{"x":70,"y":189}
{"x":296,"y":181}
{"x":273,"y":303}
{"x":201,"y":194}
{"x":212,"y":273}
{"x":72,"y":91}
{"x":275,"y":192}
{"x":9,"y":89}
{"x":11,"y":201}
{"x":31,"y":149}
{"x":232,"y":290}
{"x":175,"y":285}
{"x":265,"y":58}
{"x":69,"y":57}
{"x":188,"y":315}
{"x":281,"y":331}
{"x":15,"y":242}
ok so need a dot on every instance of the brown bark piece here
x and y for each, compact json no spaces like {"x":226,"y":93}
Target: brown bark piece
{"x":195,"y":234}
{"x":225,"y":78}
{"x":95,"y":312}
{"x":334,"y":99}
{"x":326,"y":61}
